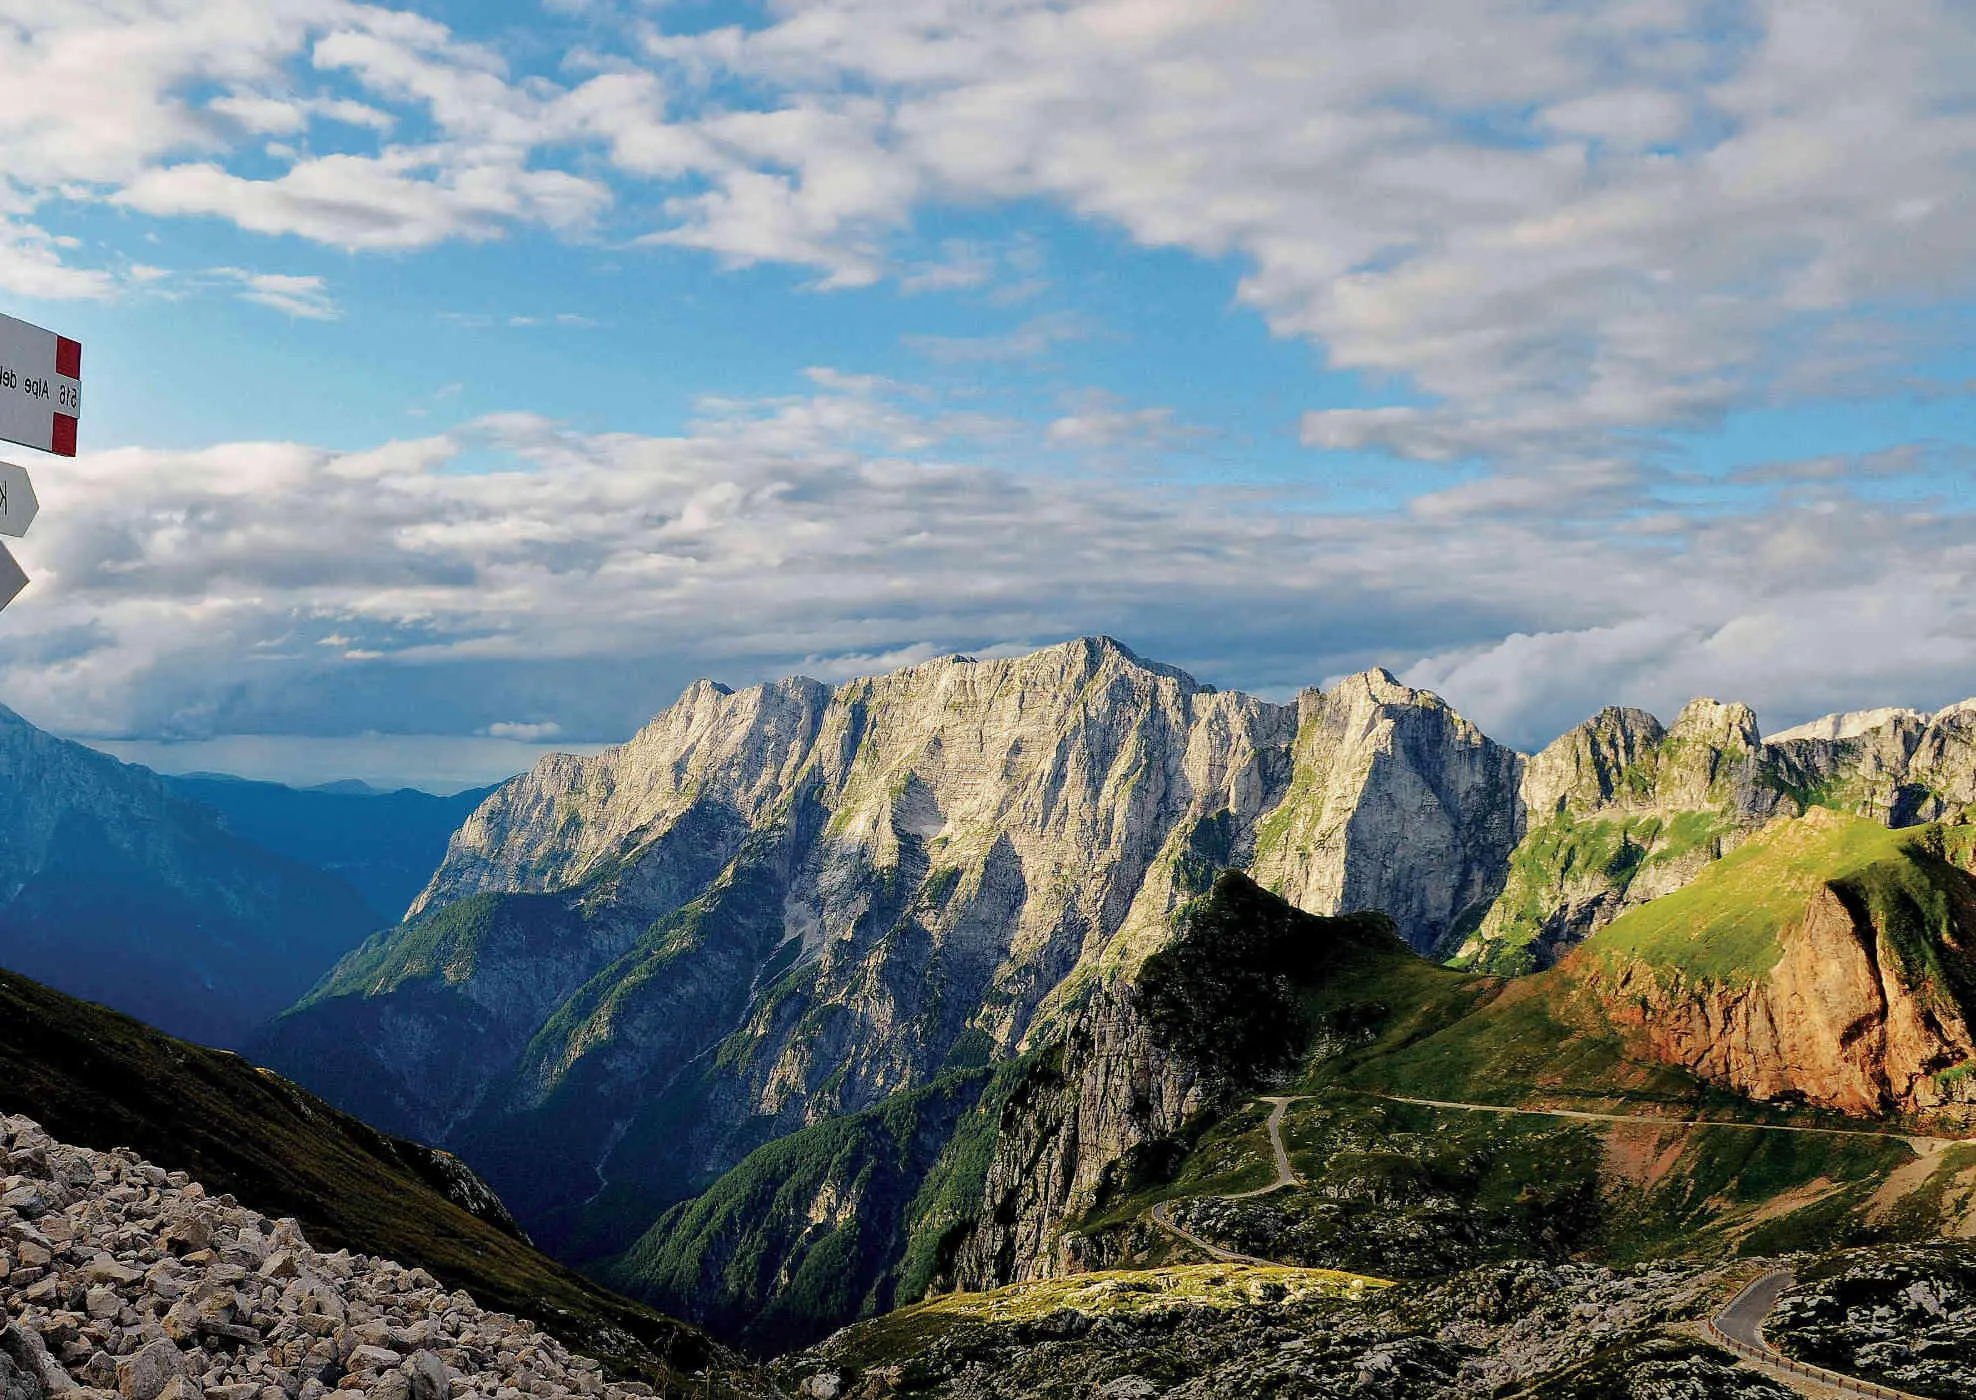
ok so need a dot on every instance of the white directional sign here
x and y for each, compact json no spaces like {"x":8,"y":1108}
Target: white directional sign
{"x":12,"y":580}
{"x":17,"y":503}
{"x":40,"y":387}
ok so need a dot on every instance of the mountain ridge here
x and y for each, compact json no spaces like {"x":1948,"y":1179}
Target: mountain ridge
{"x":785,"y":904}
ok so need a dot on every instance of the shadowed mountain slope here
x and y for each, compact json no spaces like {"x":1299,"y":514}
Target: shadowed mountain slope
{"x":384,"y":845}
{"x":114,"y":887}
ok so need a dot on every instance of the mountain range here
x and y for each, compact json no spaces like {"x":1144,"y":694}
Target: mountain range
{"x":384,"y":845}
{"x":205,"y":904}
{"x":116,"y":886}
{"x":989,"y":996}
{"x":749,"y":1013}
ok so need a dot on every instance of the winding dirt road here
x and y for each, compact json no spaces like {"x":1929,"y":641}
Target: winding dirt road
{"x":1921,"y":1145}
{"x":1739,"y":1326}
{"x":1286,"y":1175}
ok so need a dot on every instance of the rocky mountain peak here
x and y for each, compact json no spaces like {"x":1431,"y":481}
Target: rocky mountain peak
{"x":1722,"y":726}
{"x":1850,"y":725}
{"x":1587,"y":767}
{"x":1086,"y":657}
{"x":1379,"y":686}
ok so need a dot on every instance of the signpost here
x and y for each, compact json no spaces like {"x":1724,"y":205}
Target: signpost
{"x":40,"y":403}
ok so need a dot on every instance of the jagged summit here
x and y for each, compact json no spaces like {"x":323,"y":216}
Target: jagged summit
{"x":782,"y":903}
{"x":1850,"y":725}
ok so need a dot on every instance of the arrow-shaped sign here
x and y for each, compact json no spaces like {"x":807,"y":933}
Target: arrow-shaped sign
{"x":12,"y":580}
{"x":17,"y":502}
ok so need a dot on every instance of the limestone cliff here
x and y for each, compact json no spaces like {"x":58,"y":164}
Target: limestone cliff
{"x":792,"y":901}
{"x":1389,"y":783}
{"x":1108,"y":1089}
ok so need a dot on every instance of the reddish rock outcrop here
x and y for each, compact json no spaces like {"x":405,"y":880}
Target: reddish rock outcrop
{"x":1836,"y":1023}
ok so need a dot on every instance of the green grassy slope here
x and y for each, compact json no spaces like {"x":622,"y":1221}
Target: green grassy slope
{"x":1727,"y":926}
{"x":1568,"y":852}
{"x":1406,"y":1189}
{"x":1544,"y":1039}
{"x":99,"y":1079}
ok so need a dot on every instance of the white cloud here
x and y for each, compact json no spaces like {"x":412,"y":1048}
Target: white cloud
{"x":31,"y":265}
{"x":304,"y":297}
{"x":1670,"y":237}
{"x":1101,"y":422}
{"x":1031,"y":340}
{"x":524,"y":731}
{"x":267,"y":587}
{"x":1551,"y":226}
{"x":405,"y":198}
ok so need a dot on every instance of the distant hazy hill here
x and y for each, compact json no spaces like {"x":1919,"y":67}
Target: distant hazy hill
{"x":384,"y":844}
{"x":115,"y":887}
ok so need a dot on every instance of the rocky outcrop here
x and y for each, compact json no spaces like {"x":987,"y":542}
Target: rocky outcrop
{"x":1066,"y":1136}
{"x":1232,"y":1333}
{"x":1389,"y":783}
{"x":126,"y":1280}
{"x":1830,"y":1026}
{"x":1901,"y":1316}
{"x":1863,"y":1007}
{"x":1616,"y":812}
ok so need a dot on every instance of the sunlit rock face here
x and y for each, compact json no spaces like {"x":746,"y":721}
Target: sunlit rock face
{"x":1621,"y":810}
{"x":780,"y":903}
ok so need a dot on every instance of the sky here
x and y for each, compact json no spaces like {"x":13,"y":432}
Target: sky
{"x":463,"y":379}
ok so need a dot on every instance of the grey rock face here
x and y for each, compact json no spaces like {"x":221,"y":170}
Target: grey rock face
{"x":786,"y":902}
{"x":1396,"y":803}
{"x":1111,"y":1089}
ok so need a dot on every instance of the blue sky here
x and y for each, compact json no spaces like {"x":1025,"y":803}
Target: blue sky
{"x":464,"y":379}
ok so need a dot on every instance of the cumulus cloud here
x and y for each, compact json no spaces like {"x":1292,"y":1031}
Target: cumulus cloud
{"x":31,"y":265}
{"x":523,"y":730}
{"x":1705,"y":203}
{"x":408,"y":588}
{"x":1550,"y":227}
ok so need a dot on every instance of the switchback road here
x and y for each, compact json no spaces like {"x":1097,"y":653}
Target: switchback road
{"x":1286,"y":1175}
